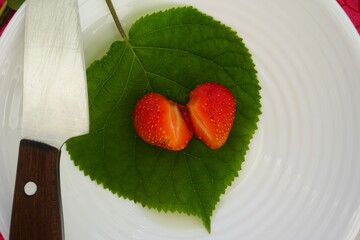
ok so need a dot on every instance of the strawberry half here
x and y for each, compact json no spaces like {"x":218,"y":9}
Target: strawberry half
{"x":212,"y":111}
{"x":160,"y":122}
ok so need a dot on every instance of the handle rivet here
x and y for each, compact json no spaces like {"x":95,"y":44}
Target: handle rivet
{"x":30,"y":188}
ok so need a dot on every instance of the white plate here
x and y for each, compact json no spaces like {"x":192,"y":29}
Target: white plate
{"x":301,"y":178}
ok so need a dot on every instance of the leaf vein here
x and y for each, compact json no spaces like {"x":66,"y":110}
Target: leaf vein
{"x":181,"y":51}
{"x":202,"y":209}
{"x":109,"y":77}
{"x":111,"y":113}
{"x":171,"y":80}
{"x":194,"y":54}
{"x":207,"y":170}
{"x":141,"y":65}
{"x":133,"y":32}
{"x":173,"y":182}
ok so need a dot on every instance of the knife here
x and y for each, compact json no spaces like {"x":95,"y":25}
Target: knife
{"x":55,"y":108}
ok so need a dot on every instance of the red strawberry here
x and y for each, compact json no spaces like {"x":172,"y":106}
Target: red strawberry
{"x":212,"y":111}
{"x":160,"y":122}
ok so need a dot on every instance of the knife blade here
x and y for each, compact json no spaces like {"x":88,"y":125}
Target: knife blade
{"x":55,"y":108}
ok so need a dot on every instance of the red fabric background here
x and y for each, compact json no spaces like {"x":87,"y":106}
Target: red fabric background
{"x":352,"y":9}
{"x":2,"y":28}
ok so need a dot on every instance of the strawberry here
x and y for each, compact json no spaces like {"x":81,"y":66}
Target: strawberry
{"x":160,"y":122}
{"x":212,"y":111}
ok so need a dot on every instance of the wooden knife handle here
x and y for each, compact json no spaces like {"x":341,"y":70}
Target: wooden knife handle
{"x":37,"y":215}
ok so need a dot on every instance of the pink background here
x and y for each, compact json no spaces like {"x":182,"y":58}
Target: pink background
{"x":351,"y":7}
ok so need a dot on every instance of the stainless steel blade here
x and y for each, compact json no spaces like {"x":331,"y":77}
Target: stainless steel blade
{"x":55,"y":104}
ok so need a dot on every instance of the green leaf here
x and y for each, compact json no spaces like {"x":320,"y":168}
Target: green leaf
{"x":4,"y":15}
{"x":15,"y":4}
{"x":3,"y":7}
{"x":168,"y":52}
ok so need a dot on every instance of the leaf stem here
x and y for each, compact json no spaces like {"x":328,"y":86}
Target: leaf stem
{"x":116,"y":19}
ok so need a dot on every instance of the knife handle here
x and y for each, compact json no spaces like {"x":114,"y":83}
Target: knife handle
{"x":36,"y":211}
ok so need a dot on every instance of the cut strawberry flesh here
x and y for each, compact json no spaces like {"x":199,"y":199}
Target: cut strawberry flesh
{"x":212,"y":112}
{"x":158,"y":121}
